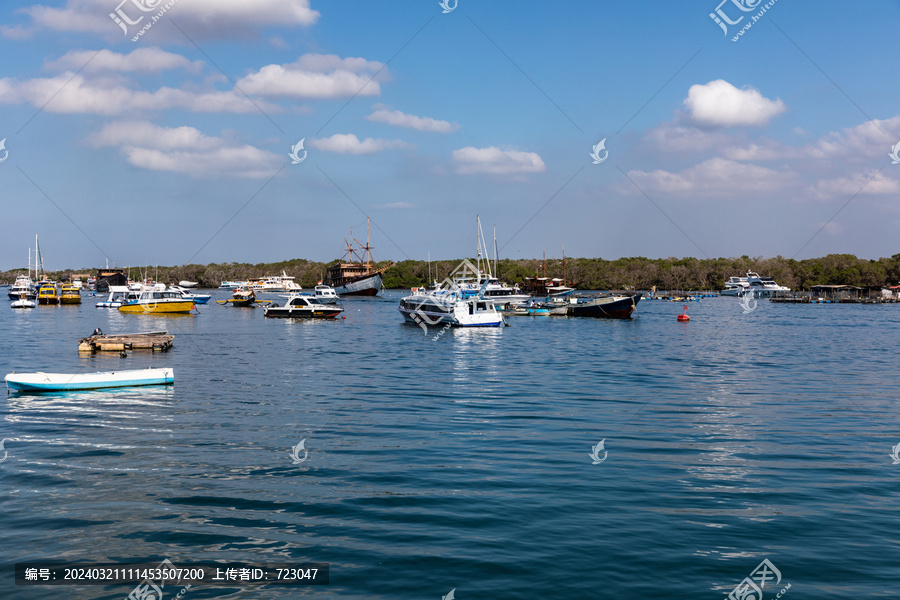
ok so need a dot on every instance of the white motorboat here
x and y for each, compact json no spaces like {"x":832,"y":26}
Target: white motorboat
{"x":303,"y":306}
{"x":54,"y":382}
{"x":197,"y":298}
{"x":233,"y":285}
{"x":118,"y":295}
{"x":23,"y":302}
{"x":325,"y":294}
{"x":282,"y":283}
{"x":450,"y":307}
{"x":187,"y":284}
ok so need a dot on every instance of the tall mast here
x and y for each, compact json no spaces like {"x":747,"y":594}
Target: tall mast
{"x":29,"y":263}
{"x":368,"y":248}
{"x":496,"y":266}
{"x":543,"y":260}
{"x":564,"y":265}
{"x":38,"y":259}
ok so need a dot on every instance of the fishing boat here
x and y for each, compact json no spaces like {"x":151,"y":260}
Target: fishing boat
{"x":187,"y":284}
{"x":325,"y":294}
{"x":303,"y":306}
{"x":69,"y":294}
{"x":158,"y":302}
{"x":188,"y":295}
{"x":243,"y":297}
{"x":613,"y":306}
{"x":356,"y":277}
{"x":48,"y":294}
{"x":118,"y":295}
{"x":54,"y":382}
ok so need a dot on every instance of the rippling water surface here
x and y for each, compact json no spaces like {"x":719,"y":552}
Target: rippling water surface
{"x":463,"y":462}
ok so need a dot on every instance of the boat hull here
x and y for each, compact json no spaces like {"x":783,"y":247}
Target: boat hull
{"x":305,"y":312}
{"x":55,"y":382}
{"x":178,"y":307}
{"x":366,"y":285}
{"x":611,"y":307}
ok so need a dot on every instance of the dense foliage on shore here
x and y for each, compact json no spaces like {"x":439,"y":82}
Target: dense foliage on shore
{"x":588,"y":273}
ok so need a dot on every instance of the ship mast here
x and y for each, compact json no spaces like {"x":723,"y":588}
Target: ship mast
{"x":565,"y":279}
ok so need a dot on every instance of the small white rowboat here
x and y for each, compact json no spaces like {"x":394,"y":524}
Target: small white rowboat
{"x":53,"y":382}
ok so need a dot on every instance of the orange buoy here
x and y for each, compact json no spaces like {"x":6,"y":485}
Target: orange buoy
{"x":684,"y":316}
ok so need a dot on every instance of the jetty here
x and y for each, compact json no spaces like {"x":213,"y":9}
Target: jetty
{"x":154,"y":341}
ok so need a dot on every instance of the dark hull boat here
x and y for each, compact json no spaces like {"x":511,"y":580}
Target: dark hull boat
{"x":609,"y":307}
{"x":358,"y":276}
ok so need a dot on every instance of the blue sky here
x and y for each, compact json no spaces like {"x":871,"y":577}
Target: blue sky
{"x":141,"y":151}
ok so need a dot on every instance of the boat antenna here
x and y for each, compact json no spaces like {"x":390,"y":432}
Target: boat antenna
{"x":496,"y":265}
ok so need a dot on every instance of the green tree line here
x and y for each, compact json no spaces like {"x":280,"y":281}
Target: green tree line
{"x":587,"y":273}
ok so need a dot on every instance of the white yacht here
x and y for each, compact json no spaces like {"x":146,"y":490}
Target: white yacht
{"x":760,"y":287}
{"x":23,"y":286}
{"x":118,"y":295}
{"x":277,"y":283}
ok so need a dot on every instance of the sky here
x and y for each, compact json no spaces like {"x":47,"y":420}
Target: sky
{"x":613,"y":128}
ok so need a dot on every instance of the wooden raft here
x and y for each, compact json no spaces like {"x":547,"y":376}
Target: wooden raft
{"x":155,"y":341}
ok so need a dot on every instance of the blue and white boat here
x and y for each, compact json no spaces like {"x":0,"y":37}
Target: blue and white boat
{"x":55,"y":382}
{"x":189,"y":295}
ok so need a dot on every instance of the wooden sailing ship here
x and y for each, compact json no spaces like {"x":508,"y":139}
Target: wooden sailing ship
{"x":357,"y":276}
{"x":546,"y":287}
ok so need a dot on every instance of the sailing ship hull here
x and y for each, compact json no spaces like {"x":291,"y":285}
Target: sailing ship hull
{"x":365,"y":285}
{"x":612,"y":307}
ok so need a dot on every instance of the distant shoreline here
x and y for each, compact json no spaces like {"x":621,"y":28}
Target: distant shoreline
{"x":587,"y":273}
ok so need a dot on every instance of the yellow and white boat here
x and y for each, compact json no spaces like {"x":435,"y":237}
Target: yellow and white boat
{"x":70,"y":294}
{"x":48,"y":294}
{"x":158,"y":302}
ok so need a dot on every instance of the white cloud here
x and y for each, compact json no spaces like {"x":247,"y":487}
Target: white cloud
{"x":142,"y":60}
{"x":202,"y":18}
{"x":471,"y":160}
{"x":348,"y":143}
{"x":185,"y":150}
{"x":714,"y":177}
{"x":76,"y":94}
{"x":720,"y":104}
{"x":316,"y":76}
{"x":399,"y":119}
{"x":853,"y":184}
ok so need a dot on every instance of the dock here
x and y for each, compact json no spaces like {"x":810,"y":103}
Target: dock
{"x":154,"y":341}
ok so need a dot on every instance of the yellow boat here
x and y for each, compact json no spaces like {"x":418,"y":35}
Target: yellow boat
{"x":158,"y":302}
{"x":70,"y":294}
{"x":47,"y":294}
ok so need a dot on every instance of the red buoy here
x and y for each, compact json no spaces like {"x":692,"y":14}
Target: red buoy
{"x":684,"y":316}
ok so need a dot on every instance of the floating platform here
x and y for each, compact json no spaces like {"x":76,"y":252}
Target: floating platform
{"x":154,"y":341}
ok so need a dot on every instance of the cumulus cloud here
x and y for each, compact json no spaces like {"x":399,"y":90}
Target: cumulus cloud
{"x":715,"y":177}
{"x":867,"y":182}
{"x":203,"y":18}
{"x":381,"y":114}
{"x":720,"y":104}
{"x":184,"y":150}
{"x":142,"y":60}
{"x":68,"y":93}
{"x":317,"y":76}
{"x":493,"y":160}
{"x":348,"y":143}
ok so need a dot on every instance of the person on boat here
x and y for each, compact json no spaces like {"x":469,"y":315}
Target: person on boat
{"x":97,"y":332}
